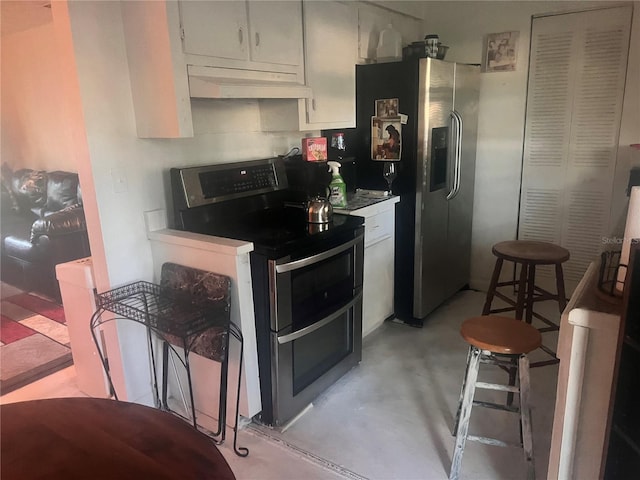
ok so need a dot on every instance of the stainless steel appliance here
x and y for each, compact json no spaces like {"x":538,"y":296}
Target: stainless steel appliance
{"x":435,"y":173}
{"x":307,"y":281}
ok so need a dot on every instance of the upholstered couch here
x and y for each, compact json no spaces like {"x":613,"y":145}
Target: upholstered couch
{"x":42,"y":225}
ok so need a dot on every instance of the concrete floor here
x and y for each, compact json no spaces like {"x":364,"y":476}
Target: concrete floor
{"x":390,"y":417}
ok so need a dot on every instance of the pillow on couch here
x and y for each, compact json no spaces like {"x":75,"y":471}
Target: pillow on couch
{"x":62,"y":190}
{"x":30,"y":189}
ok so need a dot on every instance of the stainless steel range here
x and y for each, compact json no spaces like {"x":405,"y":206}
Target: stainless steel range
{"x":307,"y":281}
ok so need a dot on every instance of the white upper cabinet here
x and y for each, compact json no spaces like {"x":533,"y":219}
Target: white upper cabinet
{"x":330,"y":57}
{"x":256,"y":35}
{"x":331,"y":51}
{"x":215,"y":29}
{"x":239,"y":49}
{"x":276,"y":32}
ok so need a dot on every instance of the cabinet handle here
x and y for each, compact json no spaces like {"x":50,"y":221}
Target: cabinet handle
{"x":257,"y":39}
{"x":240,"y":35}
{"x":313,"y":104}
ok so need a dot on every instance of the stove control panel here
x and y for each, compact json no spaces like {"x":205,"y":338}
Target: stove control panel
{"x":214,"y":183}
{"x":237,"y":180}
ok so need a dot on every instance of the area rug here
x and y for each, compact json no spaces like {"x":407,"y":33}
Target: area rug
{"x":39,"y":305}
{"x":35,"y":340}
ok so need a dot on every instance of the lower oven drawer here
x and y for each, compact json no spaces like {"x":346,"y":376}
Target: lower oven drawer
{"x":308,"y":361}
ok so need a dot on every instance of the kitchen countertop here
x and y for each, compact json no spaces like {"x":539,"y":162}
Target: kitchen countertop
{"x":366,"y":198}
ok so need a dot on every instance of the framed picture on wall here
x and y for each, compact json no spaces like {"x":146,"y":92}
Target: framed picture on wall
{"x":500,"y":52}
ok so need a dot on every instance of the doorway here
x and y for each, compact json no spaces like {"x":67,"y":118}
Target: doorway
{"x":577,"y":71}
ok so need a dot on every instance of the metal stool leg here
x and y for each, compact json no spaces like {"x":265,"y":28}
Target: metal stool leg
{"x":464,"y":380}
{"x":525,"y":416}
{"x":224,"y":382}
{"x":188,"y":369}
{"x":165,"y":374}
{"x":465,"y":413}
{"x":492,"y":287}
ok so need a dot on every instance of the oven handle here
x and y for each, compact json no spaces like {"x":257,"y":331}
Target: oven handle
{"x":312,"y":328}
{"x":304,"y":262}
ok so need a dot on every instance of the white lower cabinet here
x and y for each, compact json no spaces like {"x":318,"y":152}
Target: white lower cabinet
{"x":379,"y":253}
{"x":377,"y":301}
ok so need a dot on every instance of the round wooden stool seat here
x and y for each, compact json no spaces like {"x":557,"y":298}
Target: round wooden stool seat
{"x":530,"y":251}
{"x":500,"y":334}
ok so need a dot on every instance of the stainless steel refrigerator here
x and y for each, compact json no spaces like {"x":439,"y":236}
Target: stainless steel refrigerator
{"x":435,"y":176}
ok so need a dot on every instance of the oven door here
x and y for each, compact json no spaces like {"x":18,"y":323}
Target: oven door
{"x":316,"y":322}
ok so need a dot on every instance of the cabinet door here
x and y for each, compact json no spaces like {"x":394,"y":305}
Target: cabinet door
{"x":331,"y":48}
{"x":572,"y":127}
{"x":377,"y":301}
{"x":276,"y":32}
{"x":215,"y":29}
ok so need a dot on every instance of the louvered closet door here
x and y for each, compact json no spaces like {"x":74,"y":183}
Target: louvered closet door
{"x":574,"y":104}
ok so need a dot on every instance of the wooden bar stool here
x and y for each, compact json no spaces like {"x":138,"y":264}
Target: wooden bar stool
{"x":528,"y":254}
{"x":498,"y":341}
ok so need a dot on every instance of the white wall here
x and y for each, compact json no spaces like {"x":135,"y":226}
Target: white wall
{"x":462,"y":25}
{"x":34,"y":132}
{"x":629,"y":130}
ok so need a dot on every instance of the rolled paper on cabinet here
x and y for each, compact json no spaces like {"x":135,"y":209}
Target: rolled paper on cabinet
{"x":631,"y":231}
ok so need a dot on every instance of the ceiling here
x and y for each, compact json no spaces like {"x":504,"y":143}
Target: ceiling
{"x":19,"y":15}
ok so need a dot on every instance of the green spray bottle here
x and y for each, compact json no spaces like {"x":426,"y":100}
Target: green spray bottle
{"x":337,"y":187}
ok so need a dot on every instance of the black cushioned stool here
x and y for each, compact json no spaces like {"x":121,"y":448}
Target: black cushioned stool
{"x":528,"y":254}
{"x":498,"y":341}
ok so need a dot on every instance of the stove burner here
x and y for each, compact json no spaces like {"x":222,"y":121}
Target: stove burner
{"x":280,"y":231}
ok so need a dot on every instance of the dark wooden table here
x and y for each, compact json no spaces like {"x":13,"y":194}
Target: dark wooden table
{"x":81,"y":438}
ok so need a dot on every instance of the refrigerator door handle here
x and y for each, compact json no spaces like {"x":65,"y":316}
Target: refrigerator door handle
{"x":452,"y":140}
{"x":458,"y":177}
{"x":457,"y":122}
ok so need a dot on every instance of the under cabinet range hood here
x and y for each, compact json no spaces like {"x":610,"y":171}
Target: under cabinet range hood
{"x":212,"y":82}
